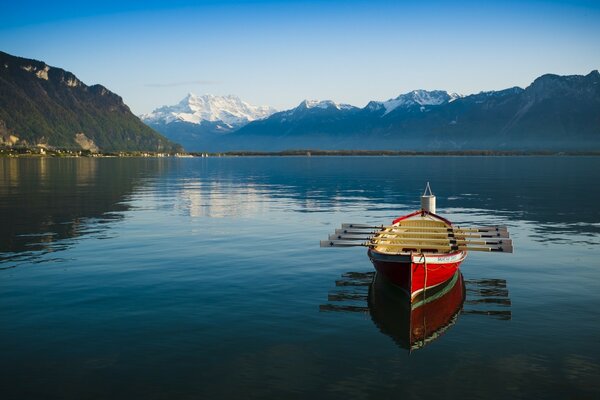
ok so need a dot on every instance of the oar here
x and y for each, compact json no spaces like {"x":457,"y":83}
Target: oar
{"x":425,"y":231}
{"x":426,"y":228}
{"x":380,"y":240}
{"x":450,"y":233}
{"x":403,"y":233}
{"x":338,"y":236}
{"x":506,"y":248}
{"x":435,"y":243}
{"x":442,"y":242}
{"x":403,"y":225}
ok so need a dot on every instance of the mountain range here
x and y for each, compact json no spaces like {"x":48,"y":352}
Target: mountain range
{"x":196,"y":121}
{"x":47,"y":106}
{"x":553,"y":113}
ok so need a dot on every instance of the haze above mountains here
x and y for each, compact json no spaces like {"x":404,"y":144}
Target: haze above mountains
{"x":48,"y":106}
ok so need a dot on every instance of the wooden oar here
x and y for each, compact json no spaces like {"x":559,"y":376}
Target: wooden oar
{"x":490,"y":234}
{"x":506,"y":248}
{"x":402,"y":234}
{"x":381,"y":240}
{"x":408,"y":225}
{"x":386,"y":242}
{"x":426,"y":228}
{"x":436,"y":243}
{"x":339,"y":236}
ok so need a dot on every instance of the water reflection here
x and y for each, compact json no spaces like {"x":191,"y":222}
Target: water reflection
{"x":46,"y":203}
{"x":509,"y":189}
{"x":222,"y":199}
{"x":413,"y":326}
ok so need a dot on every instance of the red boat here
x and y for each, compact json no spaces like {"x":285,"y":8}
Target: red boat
{"x":421,"y":250}
{"x":421,"y":264}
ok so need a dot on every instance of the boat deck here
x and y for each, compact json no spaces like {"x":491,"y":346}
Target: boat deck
{"x":423,"y":235}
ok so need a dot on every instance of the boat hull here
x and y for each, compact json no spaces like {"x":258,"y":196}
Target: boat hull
{"x":417,"y":273}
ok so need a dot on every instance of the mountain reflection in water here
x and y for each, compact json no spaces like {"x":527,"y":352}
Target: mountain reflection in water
{"x":45,"y":203}
{"x":202,"y":277}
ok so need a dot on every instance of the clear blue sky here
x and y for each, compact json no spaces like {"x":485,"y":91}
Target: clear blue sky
{"x":278,"y":53}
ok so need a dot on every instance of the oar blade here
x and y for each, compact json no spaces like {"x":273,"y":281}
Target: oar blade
{"x":339,"y":236}
{"x":348,"y":231}
{"x":361,"y":226}
{"x":499,"y":234}
{"x":340,"y":243}
{"x":505,"y":248}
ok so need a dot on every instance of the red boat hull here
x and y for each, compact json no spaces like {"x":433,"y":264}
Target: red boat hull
{"x":417,"y":273}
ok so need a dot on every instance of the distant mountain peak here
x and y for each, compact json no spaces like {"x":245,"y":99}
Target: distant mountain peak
{"x":593,"y":76}
{"x":324,"y":104}
{"x":194,"y":109}
{"x":417,"y":97}
{"x":499,"y":93}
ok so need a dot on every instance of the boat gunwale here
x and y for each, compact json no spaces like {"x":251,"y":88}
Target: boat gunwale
{"x":413,"y":257}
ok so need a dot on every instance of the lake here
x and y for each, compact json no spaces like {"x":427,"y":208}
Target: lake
{"x":203,"y":278}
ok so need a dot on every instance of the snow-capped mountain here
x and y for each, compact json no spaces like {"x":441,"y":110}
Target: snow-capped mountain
{"x":230,"y":110}
{"x":554,"y":112}
{"x":324,"y":104}
{"x":315,"y":108}
{"x":419,"y":98}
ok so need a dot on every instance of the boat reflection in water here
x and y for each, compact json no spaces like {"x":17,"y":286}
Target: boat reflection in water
{"x":415,"y":325}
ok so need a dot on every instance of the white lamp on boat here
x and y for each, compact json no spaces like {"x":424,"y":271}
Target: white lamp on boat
{"x":428,"y":200}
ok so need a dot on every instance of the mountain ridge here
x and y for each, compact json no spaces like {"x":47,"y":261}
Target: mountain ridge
{"x":197,"y":121}
{"x":553,"y":113}
{"x":193,"y":109}
{"x":42,"y":105}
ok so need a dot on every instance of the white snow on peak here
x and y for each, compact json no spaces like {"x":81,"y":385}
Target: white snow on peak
{"x":195,"y":109}
{"x":419,"y":98}
{"x":455,"y":96}
{"x":325,"y":104}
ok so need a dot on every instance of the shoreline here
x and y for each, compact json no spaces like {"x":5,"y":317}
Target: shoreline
{"x":64,"y":153}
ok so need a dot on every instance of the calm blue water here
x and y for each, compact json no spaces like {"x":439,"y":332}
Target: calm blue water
{"x":202,"y":278}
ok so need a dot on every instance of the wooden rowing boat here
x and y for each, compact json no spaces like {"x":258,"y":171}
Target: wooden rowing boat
{"x":421,"y":250}
{"x":418,"y":264}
